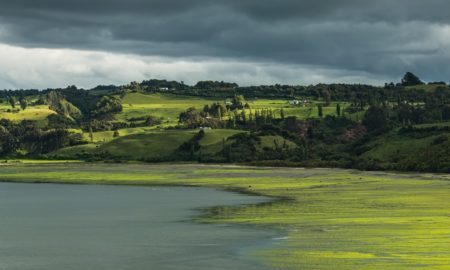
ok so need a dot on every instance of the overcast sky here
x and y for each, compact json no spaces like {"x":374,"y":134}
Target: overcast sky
{"x":55,"y":43}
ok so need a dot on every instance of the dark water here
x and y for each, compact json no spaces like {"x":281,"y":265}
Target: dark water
{"x":47,"y":226}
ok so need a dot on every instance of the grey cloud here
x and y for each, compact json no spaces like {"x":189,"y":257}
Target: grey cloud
{"x":381,"y":37}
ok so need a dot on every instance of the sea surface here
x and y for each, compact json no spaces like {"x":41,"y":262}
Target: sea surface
{"x":54,"y":227}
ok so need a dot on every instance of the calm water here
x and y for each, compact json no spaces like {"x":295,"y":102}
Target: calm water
{"x":46,"y":226}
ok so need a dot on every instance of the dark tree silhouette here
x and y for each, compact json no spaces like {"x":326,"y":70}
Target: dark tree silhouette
{"x":411,"y":79}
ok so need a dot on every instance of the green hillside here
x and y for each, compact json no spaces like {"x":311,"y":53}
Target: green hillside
{"x":158,"y":145}
{"x":409,"y":150}
{"x":148,"y":145}
{"x":396,"y":127}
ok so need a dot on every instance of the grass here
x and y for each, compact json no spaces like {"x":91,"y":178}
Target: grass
{"x":73,"y":151}
{"x":151,"y":144}
{"x":35,"y":161}
{"x":440,"y":124}
{"x":143,"y":143}
{"x":427,"y":87}
{"x":35,"y":113}
{"x":276,"y":141}
{"x":168,"y":107}
{"x":393,"y":147}
{"x":300,"y":111}
{"x":147,"y":146}
{"x":333,"y":219}
{"x":106,"y":136}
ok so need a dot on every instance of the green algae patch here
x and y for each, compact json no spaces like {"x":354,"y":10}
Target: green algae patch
{"x":332,"y":219}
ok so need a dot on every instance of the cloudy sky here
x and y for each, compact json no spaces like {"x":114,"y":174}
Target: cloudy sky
{"x":55,"y":43}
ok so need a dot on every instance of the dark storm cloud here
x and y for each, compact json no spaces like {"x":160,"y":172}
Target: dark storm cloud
{"x":383,"y":37}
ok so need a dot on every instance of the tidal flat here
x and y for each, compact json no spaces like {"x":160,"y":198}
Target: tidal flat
{"x":332,"y":218}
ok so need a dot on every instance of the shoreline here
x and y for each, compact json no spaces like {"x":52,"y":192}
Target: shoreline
{"x":206,"y":165}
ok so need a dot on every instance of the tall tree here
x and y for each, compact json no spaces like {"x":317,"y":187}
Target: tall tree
{"x":12,"y":101}
{"x":375,"y":118}
{"x":327,"y":97}
{"x":411,"y":79}
{"x":23,"y":103}
{"x":91,"y":134}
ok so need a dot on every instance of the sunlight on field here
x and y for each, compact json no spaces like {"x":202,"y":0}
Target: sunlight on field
{"x":36,"y":113}
{"x":168,"y":107}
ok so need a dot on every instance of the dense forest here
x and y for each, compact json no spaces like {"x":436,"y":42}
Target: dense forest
{"x":362,"y":119}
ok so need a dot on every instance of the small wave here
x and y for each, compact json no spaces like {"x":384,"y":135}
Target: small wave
{"x":280,"y":238}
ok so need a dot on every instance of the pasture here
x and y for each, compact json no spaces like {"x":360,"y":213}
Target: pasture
{"x":168,"y":107}
{"x":34,"y":113}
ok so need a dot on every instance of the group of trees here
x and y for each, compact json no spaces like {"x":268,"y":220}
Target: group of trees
{"x":23,"y":102}
{"x":33,"y":140}
{"x":211,"y":85}
{"x":107,"y":105}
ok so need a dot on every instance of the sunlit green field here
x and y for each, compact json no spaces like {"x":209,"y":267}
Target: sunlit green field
{"x":333,"y":219}
{"x":108,"y":135}
{"x":35,"y":113}
{"x":168,"y":107}
{"x":302,"y":111}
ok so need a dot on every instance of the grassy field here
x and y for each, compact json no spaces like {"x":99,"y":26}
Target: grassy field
{"x":149,"y":144}
{"x":106,"y":136}
{"x":35,"y":113}
{"x":300,"y":111}
{"x":333,"y":219}
{"x":427,"y":87}
{"x":168,"y":107}
{"x":394,"y":148}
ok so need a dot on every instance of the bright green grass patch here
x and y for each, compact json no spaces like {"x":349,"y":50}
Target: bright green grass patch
{"x":108,"y":135}
{"x":165,"y":106}
{"x":73,"y":151}
{"x":147,"y":146}
{"x":35,"y":113}
{"x":300,"y":111}
{"x":276,"y":142}
{"x":333,"y":219}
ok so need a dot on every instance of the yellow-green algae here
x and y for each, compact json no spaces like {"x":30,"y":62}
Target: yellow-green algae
{"x":334,"y":219}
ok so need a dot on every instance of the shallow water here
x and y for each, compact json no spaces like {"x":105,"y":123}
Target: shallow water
{"x":50,"y":226}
